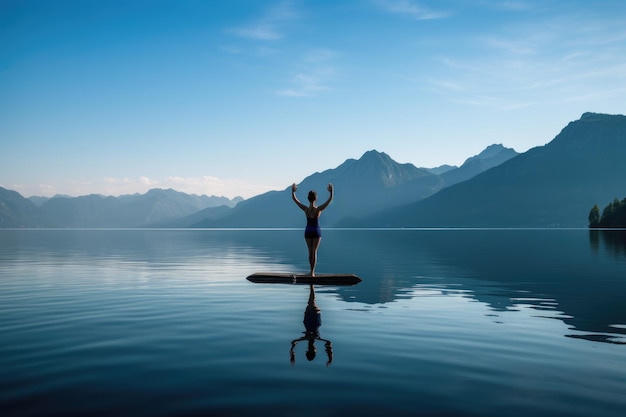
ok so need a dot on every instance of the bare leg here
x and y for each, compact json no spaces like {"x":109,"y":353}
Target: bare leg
{"x":313,"y":244}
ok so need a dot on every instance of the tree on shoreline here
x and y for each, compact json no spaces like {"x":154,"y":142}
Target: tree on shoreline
{"x":613,"y":215}
{"x":594,"y":216}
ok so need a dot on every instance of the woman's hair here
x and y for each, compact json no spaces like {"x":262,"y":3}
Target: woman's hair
{"x":312,"y":196}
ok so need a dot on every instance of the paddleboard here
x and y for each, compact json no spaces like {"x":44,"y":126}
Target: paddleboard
{"x":318,"y":279}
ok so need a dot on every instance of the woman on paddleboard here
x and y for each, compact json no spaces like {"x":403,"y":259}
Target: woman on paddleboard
{"x":312,"y":233}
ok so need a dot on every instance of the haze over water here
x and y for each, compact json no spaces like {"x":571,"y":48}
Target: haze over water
{"x":445,"y":322}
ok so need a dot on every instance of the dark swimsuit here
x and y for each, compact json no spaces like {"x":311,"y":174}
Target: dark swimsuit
{"x":312,"y":230}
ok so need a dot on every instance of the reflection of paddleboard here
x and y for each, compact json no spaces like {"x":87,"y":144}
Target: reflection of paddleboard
{"x":318,"y":279}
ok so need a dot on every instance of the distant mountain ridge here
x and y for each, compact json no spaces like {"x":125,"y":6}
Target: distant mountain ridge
{"x":553,"y":185}
{"x":131,"y":210}
{"x":365,"y":186}
{"x":372,"y":183}
{"x":548,"y":186}
{"x":17,"y":211}
{"x":441,"y":169}
{"x":492,"y":156}
{"x":39,"y":200}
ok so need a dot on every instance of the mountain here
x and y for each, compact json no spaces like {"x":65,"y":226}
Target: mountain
{"x":17,"y":211}
{"x":492,"y":156}
{"x":373,"y":183}
{"x":39,"y":200}
{"x":554,"y":185}
{"x":84,"y":211}
{"x":136,"y":210}
{"x":202,"y":215}
{"x":364,"y":186}
{"x":441,"y":169}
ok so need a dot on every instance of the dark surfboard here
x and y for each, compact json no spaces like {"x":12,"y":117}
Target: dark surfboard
{"x":318,"y":279}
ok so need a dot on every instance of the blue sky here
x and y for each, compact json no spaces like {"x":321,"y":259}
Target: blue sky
{"x":239,"y":97}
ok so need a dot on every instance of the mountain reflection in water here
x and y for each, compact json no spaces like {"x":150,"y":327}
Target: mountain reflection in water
{"x":561,"y":274}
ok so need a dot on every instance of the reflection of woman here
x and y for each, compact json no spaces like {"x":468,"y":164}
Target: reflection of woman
{"x":312,"y":323}
{"x":312,"y":233}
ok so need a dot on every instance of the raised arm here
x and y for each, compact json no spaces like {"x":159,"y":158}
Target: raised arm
{"x":330,"y":197}
{"x":294,"y":187}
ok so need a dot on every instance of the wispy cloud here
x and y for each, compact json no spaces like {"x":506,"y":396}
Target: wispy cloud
{"x":496,"y":83}
{"x":446,"y":84}
{"x":497,"y":103}
{"x":230,"y":187}
{"x":512,"y":46}
{"x":510,"y":5}
{"x":304,"y":85}
{"x":565,"y":59}
{"x":119,"y":186}
{"x":269,"y":26}
{"x":591,"y":96}
{"x":411,"y":9}
{"x":311,"y":75}
{"x":203,"y":185}
{"x":258,"y":31}
{"x":234,"y":50}
{"x":47,"y":189}
{"x":300,"y":74}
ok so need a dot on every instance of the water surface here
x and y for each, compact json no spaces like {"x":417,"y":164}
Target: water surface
{"x":445,"y":322}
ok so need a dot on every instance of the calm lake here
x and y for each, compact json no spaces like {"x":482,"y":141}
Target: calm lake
{"x":445,"y":322}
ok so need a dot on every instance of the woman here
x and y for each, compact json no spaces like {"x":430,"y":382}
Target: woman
{"x":312,"y":233}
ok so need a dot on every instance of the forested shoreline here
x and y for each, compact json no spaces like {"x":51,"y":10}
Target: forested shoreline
{"x":613,"y":215}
